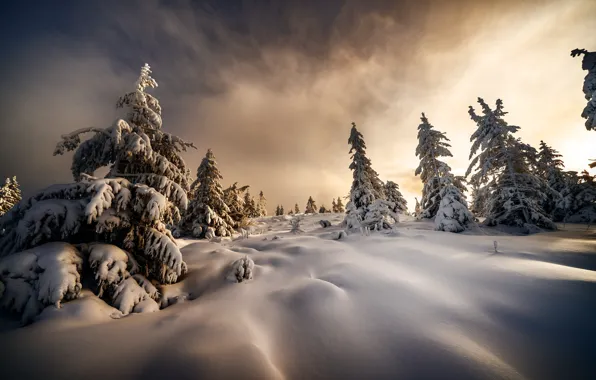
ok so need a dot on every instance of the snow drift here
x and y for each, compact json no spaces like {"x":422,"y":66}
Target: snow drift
{"x":411,"y":304}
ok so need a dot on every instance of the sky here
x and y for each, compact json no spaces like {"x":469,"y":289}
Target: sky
{"x":272,"y":87}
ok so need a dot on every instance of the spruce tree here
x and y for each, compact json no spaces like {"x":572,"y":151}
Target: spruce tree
{"x":393,"y":194}
{"x":10,"y":195}
{"x":479,"y":203}
{"x":549,"y":161}
{"x":119,"y":223}
{"x":323,"y":209}
{"x":453,"y":214}
{"x":234,"y":200}
{"x":589,"y":89}
{"x":549,"y":167}
{"x":250,"y":207}
{"x":340,"y":205}
{"x":207,"y":209}
{"x":577,"y":203}
{"x":281,"y":210}
{"x":296,"y":209}
{"x":311,"y":206}
{"x":505,"y":164}
{"x":333,"y":206}
{"x":365,"y":181}
{"x":432,"y":145}
{"x":262,"y":205}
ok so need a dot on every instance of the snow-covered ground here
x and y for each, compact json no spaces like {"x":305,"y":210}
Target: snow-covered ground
{"x":412,"y":304}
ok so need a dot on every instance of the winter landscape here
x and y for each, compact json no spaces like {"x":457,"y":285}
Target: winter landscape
{"x":153,"y":258}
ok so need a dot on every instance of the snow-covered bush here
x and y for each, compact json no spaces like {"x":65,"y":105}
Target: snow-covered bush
{"x":207,"y":212}
{"x":295,"y":225}
{"x":143,"y":193}
{"x":453,"y":214}
{"x":10,"y":195}
{"x":379,"y":216}
{"x":242,"y":270}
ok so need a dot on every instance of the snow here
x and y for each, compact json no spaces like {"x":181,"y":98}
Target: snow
{"x":410,"y":304}
{"x":242,"y":270}
{"x":109,"y":264}
{"x":129,"y":296}
{"x":41,"y":276}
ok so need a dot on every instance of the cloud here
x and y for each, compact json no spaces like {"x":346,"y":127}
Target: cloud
{"x":273,"y":90}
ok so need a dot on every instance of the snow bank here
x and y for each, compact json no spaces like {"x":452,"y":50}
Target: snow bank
{"x":415,"y":304}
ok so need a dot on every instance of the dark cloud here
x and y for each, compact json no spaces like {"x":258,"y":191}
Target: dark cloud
{"x":273,"y":86}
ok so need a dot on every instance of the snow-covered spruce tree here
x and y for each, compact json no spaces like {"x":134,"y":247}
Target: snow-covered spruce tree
{"x":589,"y":89}
{"x":577,"y":203}
{"x":549,"y":167}
{"x":378,"y":185}
{"x":432,"y":145}
{"x":333,"y":206}
{"x":262,"y":205}
{"x":506,"y":165}
{"x":479,"y":203}
{"x":364,"y":182}
{"x":296,"y":209}
{"x":393,"y":194}
{"x":207,"y":209}
{"x":250,"y":207}
{"x":281,"y":210}
{"x":235,"y":202}
{"x":340,"y":205}
{"x":119,"y":222}
{"x":10,"y":195}
{"x":453,"y":214}
{"x":311,"y":206}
